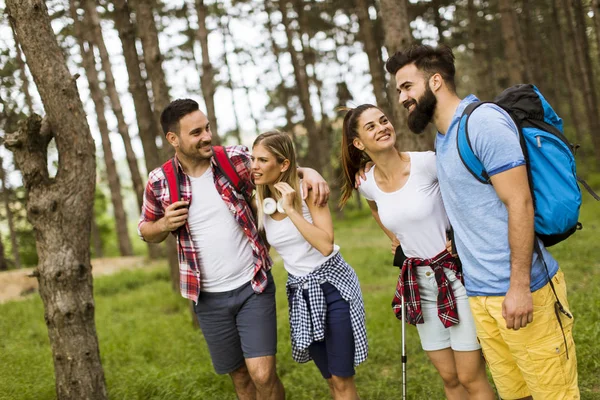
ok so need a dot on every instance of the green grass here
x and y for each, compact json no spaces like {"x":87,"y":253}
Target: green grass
{"x":150,"y":349}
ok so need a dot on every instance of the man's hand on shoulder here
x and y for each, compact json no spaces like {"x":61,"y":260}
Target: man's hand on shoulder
{"x":312,"y":180}
{"x":361,"y":174}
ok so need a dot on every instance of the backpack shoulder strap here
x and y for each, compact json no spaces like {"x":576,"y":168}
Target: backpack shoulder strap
{"x":226,"y":166}
{"x":169,"y":169}
{"x":463,"y":144}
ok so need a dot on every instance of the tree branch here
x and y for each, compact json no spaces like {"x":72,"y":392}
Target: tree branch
{"x":30,"y":147}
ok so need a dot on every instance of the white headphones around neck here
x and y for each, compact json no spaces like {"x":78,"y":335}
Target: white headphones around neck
{"x":270,"y":206}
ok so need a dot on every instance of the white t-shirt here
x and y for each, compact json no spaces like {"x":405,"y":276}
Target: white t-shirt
{"x":300,"y":258}
{"x":414,"y":213}
{"x":224,"y":249}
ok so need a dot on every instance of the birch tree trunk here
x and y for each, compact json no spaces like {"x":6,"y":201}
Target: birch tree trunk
{"x":60,"y":208}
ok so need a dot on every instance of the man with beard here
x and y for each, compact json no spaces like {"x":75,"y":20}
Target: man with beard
{"x":507,"y":284}
{"x":223,"y":262}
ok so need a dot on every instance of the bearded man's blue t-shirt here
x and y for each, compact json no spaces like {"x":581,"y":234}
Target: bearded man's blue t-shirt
{"x":478,"y":216}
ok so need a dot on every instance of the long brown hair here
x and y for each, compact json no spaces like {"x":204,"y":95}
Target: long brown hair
{"x":280,"y":145}
{"x":352,"y":158}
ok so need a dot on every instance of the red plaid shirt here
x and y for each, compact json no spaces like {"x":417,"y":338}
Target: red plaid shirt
{"x":157,"y":198}
{"x":407,"y":287}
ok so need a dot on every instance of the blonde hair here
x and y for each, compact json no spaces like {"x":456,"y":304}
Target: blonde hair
{"x":280,"y":145}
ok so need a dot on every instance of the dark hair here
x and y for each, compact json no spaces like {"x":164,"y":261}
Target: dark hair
{"x":351,"y":157}
{"x":431,"y":60}
{"x":172,"y":114}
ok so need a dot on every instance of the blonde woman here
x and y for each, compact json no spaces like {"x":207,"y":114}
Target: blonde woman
{"x":327,"y":317}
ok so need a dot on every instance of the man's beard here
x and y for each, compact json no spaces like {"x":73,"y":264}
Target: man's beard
{"x":193,"y":153}
{"x":421,"y":116}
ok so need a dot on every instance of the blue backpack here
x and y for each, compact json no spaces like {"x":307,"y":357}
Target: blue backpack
{"x":549,"y":158}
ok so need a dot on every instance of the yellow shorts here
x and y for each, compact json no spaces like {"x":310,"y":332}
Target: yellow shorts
{"x":533,"y":360}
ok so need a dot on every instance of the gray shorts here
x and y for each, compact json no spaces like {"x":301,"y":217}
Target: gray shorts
{"x":238,"y":324}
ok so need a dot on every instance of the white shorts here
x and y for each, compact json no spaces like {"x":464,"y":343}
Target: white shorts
{"x":433,"y":334}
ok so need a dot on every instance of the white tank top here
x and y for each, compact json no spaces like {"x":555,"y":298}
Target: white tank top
{"x":225,"y":252}
{"x":415,"y":213}
{"x":299,"y":257}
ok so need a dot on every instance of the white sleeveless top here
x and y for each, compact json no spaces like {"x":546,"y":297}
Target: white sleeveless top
{"x":415,"y":213}
{"x":299,"y":257}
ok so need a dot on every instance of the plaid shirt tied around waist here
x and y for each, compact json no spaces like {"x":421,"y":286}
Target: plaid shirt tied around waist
{"x":157,"y":198}
{"x":309,"y":326}
{"x":407,"y":286}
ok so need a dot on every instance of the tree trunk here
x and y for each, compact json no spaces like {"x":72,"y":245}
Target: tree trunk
{"x":566,"y":71}
{"x":225,"y":34}
{"x":10,"y":219}
{"x":22,"y":70}
{"x":533,"y":57}
{"x":3,"y":263}
{"x":314,"y":158}
{"x":153,"y":62}
{"x":596,"y":11}
{"x":437,"y":20}
{"x":376,"y":65}
{"x":282,"y":88}
{"x":481,"y":64}
{"x":147,"y":126}
{"x":510,"y":28}
{"x":97,"y":94}
{"x":96,"y":239}
{"x":246,"y":88}
{"x":207,"y":81}
{"x":396,"y":25}
{"x":585,"y":65}
{"x":92,"y":19}
{"x":60,"y":208}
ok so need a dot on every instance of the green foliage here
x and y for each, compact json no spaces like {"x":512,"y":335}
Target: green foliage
{"x":150,"y":350}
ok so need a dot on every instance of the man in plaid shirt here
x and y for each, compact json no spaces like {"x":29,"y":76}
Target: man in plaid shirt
{"x":224,"y":264}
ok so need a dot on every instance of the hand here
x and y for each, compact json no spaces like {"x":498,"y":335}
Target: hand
{"x":517,"y":307}
{"x":362,"y":173}
{"x":287,"y":195}
{"x":175,"y":216}
{"x":312,"y":180}
{"x":449,"y":248}
{"x":395,"y":244}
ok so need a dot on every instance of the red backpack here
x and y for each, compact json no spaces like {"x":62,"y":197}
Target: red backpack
{"x":224,"y":164}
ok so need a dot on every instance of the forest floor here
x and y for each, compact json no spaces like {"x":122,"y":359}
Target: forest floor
{"x":18,"y":284}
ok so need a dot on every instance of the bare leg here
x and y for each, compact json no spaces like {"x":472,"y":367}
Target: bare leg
{"x":244,"y":387}
{"x":342,"y":388}
{"x":265,"y":379}
{"x":472,"y":376}
{"x":443,"y":361}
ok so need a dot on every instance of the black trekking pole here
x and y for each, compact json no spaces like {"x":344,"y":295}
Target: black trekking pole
{"x":403,"y":349}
